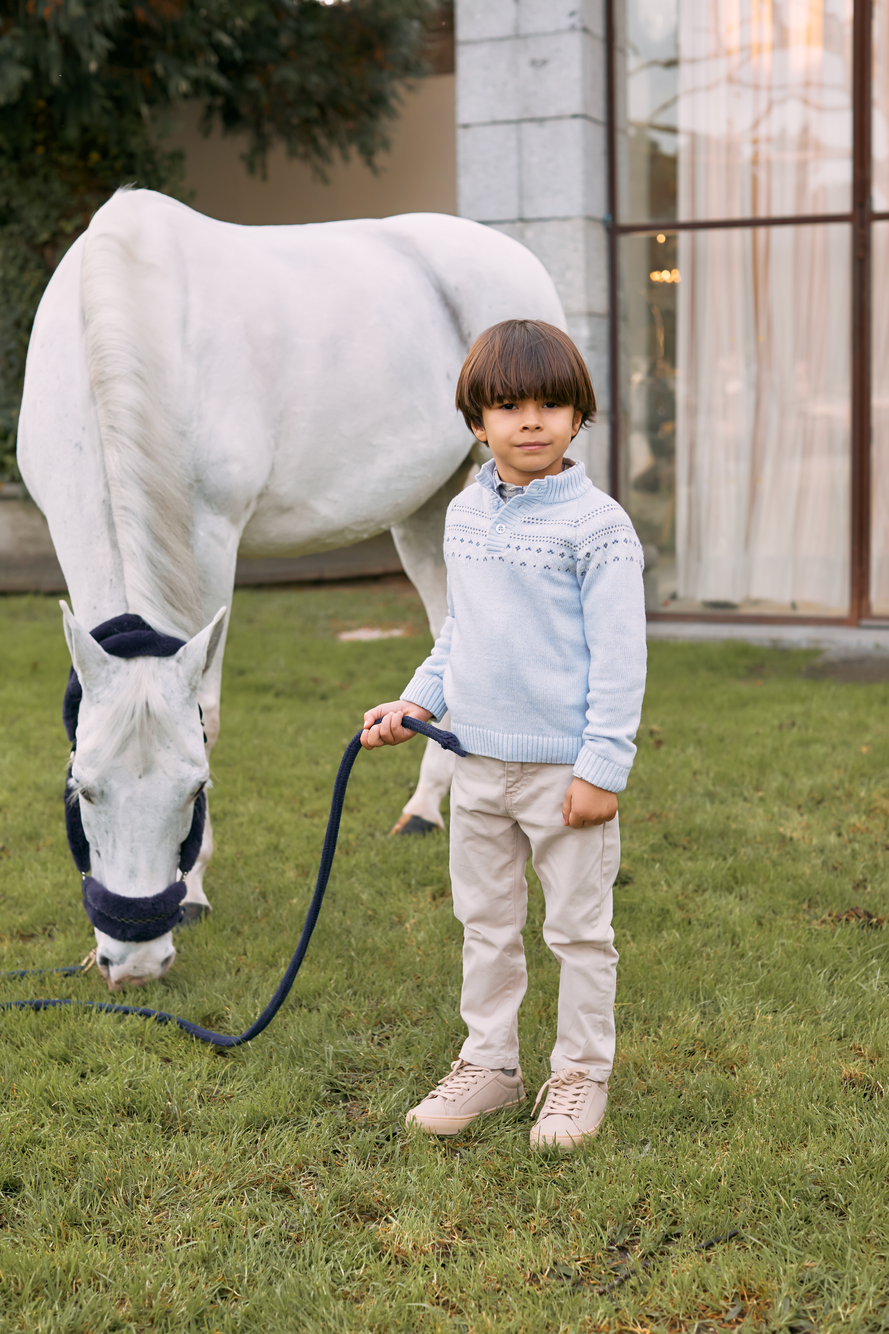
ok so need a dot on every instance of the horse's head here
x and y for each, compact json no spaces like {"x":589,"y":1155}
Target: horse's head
{"x":138,"y":767}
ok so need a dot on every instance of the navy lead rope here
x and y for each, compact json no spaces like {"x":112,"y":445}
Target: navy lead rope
{"x":447,"y":740}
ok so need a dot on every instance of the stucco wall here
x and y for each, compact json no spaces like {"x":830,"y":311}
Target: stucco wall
{"x":419,"y":174}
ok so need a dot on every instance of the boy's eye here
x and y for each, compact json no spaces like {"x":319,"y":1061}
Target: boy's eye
{"x":507,"y":406}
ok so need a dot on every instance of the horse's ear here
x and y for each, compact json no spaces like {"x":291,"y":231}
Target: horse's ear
{"x":195,"y":656}
{"x":89,"y":658}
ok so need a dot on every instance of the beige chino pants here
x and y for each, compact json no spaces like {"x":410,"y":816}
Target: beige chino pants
{"x":500,"y":812}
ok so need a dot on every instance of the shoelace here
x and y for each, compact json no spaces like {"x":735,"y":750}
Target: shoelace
{"x":565,"y":1091}
{"x":460,"y":1080}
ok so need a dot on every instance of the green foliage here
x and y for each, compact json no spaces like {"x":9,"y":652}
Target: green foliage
{"x":148,"y":1184}
{"x":87,"y":87}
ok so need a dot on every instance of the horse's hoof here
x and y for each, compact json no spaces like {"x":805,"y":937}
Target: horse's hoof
{"x":192,"y":914}
{"x":415,"y":824}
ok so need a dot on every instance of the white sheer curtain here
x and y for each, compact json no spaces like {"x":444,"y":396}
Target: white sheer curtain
{"x":763,"y":338}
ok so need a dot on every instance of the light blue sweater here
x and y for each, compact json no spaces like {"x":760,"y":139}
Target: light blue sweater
{"x":542,"y":657}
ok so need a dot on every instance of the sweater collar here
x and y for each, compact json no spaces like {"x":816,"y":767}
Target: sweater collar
{"x":550,"y":490}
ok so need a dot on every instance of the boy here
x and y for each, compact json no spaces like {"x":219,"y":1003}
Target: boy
{"x":541,"y":663}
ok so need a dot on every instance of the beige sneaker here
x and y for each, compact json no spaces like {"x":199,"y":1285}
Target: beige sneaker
{"x":573,"y":1111}
{"x":467,"y":1092}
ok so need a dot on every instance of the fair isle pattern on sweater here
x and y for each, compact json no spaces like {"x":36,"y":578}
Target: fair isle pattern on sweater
{"x":547,"y":546}
{"x":542,"y":657}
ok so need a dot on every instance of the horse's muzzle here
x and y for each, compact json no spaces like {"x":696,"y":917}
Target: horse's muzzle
{"x":132,"y":979}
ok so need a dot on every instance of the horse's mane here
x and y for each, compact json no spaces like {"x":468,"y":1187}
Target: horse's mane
{"x":138,"y":719}
{"x":123,"y":285}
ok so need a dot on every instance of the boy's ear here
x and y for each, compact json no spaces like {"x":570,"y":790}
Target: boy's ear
{"x":480,"y":433}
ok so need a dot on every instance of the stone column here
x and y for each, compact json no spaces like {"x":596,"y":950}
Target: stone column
{"x":532,"y":158}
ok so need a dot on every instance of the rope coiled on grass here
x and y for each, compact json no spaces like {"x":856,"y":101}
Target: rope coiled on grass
{"x":447,"y":740}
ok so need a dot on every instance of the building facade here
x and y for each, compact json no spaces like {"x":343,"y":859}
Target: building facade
{"x":708,"y":183}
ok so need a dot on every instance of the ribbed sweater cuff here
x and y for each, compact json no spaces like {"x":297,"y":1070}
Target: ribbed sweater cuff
{"x":601,"y":772}
{"x":428,"y":693}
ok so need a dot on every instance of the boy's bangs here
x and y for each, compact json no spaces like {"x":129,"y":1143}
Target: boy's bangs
{"x":535,"y":370}
{"x":523,"y":359}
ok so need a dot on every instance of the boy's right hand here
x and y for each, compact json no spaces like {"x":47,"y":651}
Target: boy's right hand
{"x":390,"y":732}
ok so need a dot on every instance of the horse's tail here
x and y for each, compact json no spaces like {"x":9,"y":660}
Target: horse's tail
{"x":131,"y":339}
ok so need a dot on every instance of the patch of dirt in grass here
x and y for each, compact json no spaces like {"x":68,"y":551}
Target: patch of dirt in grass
{"x":693,"y":1054}
{"x":623,"y":1264}
{"x":866,"y":1054}
{"x":850,"y":669}
{"x":29,"y":935}
{"x":861,"y":1082}
{"x":860,"y":916}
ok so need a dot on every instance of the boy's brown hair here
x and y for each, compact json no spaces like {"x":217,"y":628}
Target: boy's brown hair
{"x":523,"y":359}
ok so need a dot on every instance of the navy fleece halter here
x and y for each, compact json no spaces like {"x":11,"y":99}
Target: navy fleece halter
{"x":122,"y":918}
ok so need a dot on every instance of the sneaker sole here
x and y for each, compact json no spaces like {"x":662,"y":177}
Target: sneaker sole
{"x":452,"y":1125}
{"x":566,"y":1143}
{"x":562,"y":1141}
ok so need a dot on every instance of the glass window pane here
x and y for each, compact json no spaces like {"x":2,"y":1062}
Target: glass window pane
{"x":879,"y":538}
{"x":880,"y":93}
{"x":735,"y":418}
{"x":734,"y":108}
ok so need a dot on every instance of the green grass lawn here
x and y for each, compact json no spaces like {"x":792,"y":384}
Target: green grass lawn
{"x":148,"y":1183}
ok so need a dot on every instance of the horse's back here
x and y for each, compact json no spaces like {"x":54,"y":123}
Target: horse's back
{"x":316,"y":364}
{"x":290,"y":387}
{"x":299,"y":276}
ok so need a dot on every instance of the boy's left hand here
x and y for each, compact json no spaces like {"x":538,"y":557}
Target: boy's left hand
{"x":586,"y":805}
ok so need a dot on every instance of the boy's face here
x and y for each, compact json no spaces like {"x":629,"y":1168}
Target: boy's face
{"x":528,"y":437}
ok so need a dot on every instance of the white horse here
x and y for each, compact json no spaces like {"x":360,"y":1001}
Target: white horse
{"x":196,"y":388}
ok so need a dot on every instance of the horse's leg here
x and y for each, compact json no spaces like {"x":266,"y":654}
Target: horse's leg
{"x":196,"y":903}
{"x":419,"y":541}
{"x":216,"y":562}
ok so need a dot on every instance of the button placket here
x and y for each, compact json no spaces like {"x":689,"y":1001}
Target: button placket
{"x":498,"y":532}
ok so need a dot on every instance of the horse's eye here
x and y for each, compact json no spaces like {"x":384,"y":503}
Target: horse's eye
{"x":88,"y":795}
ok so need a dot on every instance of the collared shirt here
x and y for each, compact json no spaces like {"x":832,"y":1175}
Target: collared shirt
{"x":507,"y":490}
